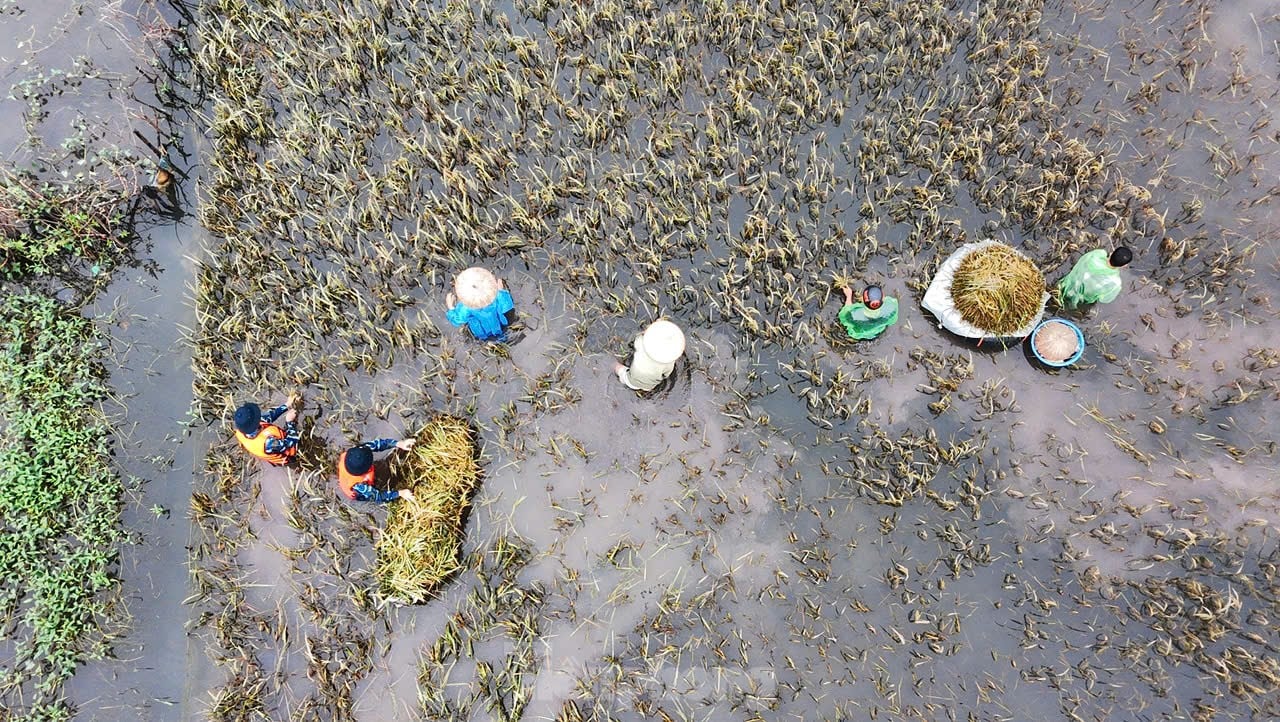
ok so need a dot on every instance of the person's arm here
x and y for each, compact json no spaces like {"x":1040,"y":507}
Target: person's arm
{"x":1110,"y":288}
{"x":847,"y":314}
{"x":890,"y":307}
{"x":271,"y":416}
{"x":291,"y":436}
{"x":503,"y":302}
{"x":365,"y":492}
{"x":848,"y":295}
{"x":457,"y":314}
{"x":380,"y":445}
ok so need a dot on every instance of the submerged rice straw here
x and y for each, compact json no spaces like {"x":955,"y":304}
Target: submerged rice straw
{"x":420,"y":546}
{"x":997,"y":289}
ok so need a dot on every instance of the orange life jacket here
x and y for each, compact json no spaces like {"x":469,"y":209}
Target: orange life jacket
{"x":347,"y":481}
{"x":257,"y":444}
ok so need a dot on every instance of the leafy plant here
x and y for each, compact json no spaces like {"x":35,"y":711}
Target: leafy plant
{"x":60,"y":510}
{"x":45,"y":224}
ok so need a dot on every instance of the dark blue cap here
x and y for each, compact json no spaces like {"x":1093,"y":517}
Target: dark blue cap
{"x":358,"y":460}
{"x":248,"y":418}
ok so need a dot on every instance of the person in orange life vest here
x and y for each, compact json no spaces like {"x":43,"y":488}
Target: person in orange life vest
{"x":355,"y":471}
{"x":259,"y":435}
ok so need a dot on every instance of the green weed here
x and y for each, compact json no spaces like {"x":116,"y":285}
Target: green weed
{"x":60,"y":510}
{"x":45,"y":226}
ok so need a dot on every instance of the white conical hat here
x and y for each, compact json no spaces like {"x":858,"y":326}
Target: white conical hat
{"x":476,"y":287}
{"x":663,"y":341}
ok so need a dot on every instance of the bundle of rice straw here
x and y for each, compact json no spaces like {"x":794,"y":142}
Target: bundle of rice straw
{"x":997,"y":289}
{"x":1056,"y":341}
{"x":420,"y":546}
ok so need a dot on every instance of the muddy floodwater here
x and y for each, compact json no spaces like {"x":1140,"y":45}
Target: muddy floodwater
{"x":795,"y":526}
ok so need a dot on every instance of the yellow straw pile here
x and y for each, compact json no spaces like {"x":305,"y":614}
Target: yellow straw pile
{"x":997,"y":289}
{"x":420,"y":546}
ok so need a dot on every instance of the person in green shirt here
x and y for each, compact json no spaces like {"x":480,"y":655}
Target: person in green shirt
{"x":870,"y":318}
{"x":1094,"y":279}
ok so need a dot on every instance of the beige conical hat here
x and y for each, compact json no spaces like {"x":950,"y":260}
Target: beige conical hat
{"x":476,"y":287}
{"x":1056,"y":341}
{"x":663,"y":341}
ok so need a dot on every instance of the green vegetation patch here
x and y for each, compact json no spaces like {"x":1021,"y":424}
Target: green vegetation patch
{"x":59,"y":502}
{"x":420,"y":546}
{"x":44,"y":225}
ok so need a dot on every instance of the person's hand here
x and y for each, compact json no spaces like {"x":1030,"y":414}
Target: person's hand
{"x":406,"y":494}
{"x":290,"y":415}
{"x":405,"y":444}
{"x":502,"y":283}
{"x":449,"y":300}
{"x":848,"y":294}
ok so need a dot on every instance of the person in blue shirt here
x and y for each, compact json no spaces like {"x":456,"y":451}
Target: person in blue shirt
{"x":482,"y":304}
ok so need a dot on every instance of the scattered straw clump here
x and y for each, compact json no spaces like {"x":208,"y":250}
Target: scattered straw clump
{"x":420,"y":546}
{"x":997,"y":289}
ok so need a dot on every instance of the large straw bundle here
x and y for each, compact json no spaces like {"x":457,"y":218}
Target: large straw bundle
{"x":997,"y":289}
{"x":420,"y":546}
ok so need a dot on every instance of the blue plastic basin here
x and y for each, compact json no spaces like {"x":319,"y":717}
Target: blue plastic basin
{"x":1079,"y":342}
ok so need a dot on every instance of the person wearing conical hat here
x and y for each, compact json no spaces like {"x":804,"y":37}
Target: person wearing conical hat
{"x":356,"y":471}
{"x":259,"y":435}
{"x":482,"y":304}
{"x":871,"y":317}
{"x":656,"y":350}
{"x":1095,"y":278}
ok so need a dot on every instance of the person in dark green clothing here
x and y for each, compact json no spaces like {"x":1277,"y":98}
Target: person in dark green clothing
{"x":870,"y":318}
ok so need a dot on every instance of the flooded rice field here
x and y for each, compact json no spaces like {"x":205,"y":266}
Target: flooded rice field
{"x":796,"y":525}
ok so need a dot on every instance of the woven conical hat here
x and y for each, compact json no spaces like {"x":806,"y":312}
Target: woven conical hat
{"x":476,"y":287}
{"x":1056,"y":341}
{"x":663,"y":341}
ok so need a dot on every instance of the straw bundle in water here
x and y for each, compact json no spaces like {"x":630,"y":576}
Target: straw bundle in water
{"x":997,"y":289}
{"x":420,"y":545}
